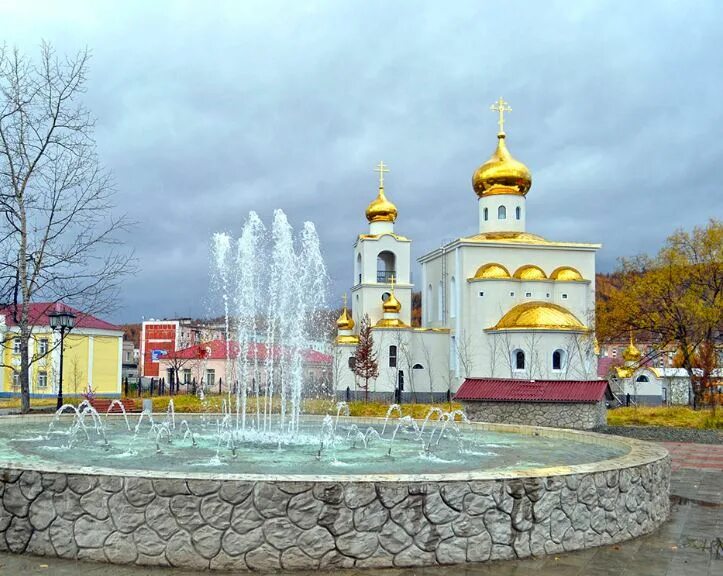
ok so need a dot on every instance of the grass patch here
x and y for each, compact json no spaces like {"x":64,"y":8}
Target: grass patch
{"x":672,"y":416}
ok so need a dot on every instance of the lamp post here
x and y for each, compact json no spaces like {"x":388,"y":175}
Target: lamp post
{"x":62,"y":321}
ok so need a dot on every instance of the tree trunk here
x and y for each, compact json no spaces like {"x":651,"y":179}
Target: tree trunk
{"x":24,"y":371}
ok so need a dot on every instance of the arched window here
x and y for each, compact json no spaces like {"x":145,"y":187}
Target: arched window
{"x":385,"y":266}
{"x":501,"y":213}
{"x":487,"y":214}
{"x":642,"y":378}
{"x":518,"y":358}
{"x":428,"y":304}
{"x":452,"y":298}
{"x":517,"y":212}
{"x":358,"y":268}
{"x":440,"y":302}
{"x":417,"y":367}
{"x":558,"y":359}
{"x":392,"y":356}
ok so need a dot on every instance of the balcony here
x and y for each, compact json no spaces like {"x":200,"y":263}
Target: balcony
{"x":385,"y":276}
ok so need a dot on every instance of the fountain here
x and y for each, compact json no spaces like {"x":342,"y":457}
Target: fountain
{"x":260,"y":486}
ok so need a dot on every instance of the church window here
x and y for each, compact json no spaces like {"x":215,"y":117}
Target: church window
{"x":440,"y":302}
{"x":359,"y":268}
{"x":392,"y":356}
{"x":487,"y":214}
{"x":642,"y":378}
{"x":564,"y":296}
{"x":517,"y":212}
{"x":352,"y":362}
{"x":501,"y":213}
{"x":558,"y":357}
{"x":417,"y":367}
{"x":512,"y":294}
{"x":481,"y":293}
{"x":547,"y":295}
{"x":519,"y":359}
{"x":528,"y":294}
{"x":385,"y":266}
{"x":452,"y":298}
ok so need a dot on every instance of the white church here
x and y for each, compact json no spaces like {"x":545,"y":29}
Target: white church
{"x":502,"y":304}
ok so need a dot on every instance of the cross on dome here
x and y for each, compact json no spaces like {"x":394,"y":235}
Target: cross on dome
{"x":381,"y":168}
{"x":500,"y":106}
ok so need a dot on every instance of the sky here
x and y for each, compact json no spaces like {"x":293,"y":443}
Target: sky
{"x":207,"y":110}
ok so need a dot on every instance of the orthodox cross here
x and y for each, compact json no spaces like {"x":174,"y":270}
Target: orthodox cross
{"x":391,"y":280}
{"x":501,"y":107}
{"x":344,"y":298}
{"x":381,"y":168}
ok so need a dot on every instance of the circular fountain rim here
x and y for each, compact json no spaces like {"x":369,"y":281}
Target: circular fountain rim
{"x":639,"y":453}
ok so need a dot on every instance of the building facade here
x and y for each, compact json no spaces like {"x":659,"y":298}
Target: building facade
{"x":92,"y":355}
{"x":503,"y":303}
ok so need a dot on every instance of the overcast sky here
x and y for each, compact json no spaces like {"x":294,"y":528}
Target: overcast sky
{"x":207,"y":110}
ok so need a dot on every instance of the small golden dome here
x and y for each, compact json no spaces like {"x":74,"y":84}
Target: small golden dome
{"x":631,"y":353}
{"x":566,"y":274}
{"x":390,"y":323}
{"x":530,"y":272}
{"x":381,"y":209}
{"x":345,"y":321}
{"x":492,"y":270}
{"x":501,"y":174}
{"x":392,"y":304}
{"x":539,"y":316}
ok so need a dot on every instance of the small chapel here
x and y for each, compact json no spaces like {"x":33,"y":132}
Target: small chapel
{"x":504,"y":305}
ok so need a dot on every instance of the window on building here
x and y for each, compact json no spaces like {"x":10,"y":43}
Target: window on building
{"x":558,"y":359}
{"x":186,"y":376}
{"x":210,"y":377}
{"x":386,"y":262}
{"x":481,"y":293}
{"x":42,"y":379}
{"x":547,"y":295}
{"x":453,"y":353}
{"x":417,"y":367}
{"x":519,"y":359}
{"x":501,"y":213}
{"x":452,"y":298}
{"x":642,"y":378}
{"x":392,"y":356}
{"x":428,"y":304}
{"x":528,"y":294}
{"x":564,"y":296}
{"x":352,"y":362}
{"x":43,"y":346}
{"x":615,"y":353}
{"x":512,"y":294}
{"x":16,"y":346}
{"x":486,"y":214}
{"x":440,"y":302}
{"x":16,"y":380}
{"x":517,"y":212}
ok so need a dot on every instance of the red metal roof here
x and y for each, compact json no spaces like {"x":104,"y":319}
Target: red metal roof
{"x":38,"y":316}
{"x":508,"y":390}
{"x":216,"y":350}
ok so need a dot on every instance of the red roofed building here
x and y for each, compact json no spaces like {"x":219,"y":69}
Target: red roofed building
{"x":207,"y":362}
{"x":559,"y":403}
{"x":92,"y":353}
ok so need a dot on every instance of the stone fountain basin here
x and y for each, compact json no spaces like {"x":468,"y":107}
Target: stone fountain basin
{"x":270,"y":522}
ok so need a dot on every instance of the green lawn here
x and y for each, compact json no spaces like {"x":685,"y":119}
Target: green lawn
{"x":675,"y":416}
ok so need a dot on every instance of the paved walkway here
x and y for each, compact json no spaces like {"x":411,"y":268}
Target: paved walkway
{"x":689,"y":544}
{"x":698,"y":456}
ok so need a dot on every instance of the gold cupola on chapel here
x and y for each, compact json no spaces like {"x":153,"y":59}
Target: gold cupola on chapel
{"x":381,"y":209}
{"x":501,"y":184}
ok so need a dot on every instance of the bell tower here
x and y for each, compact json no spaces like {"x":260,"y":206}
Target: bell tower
{"x":382,"y":262}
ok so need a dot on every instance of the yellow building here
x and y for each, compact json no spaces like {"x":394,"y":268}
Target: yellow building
{"x":92,"y":355}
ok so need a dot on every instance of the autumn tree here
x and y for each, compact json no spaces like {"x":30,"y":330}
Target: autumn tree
{"x":58,"y":235}
{"x":366,"y":366}
{"x":674,"y":298}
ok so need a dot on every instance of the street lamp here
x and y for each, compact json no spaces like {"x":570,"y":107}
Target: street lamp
{"x":62,"y":321}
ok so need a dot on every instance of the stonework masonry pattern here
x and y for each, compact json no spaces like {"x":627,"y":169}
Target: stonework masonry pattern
{"x":578,"y":415}
{"x":269,"y":525}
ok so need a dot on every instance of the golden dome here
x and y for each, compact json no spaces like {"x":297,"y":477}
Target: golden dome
{"x":392,"y":305}
{"x":501,"y":174}
{"x":381,"y":209}
{"x":539,"y":316}
{"x":390,"y":323}
{"x":631,"y":353}
{"x":530,"y":272}
{"x":491,"y":270}
{"x":566,"y":273}
{"x":345,"y":321}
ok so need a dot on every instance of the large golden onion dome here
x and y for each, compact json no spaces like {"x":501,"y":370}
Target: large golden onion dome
{"x":502,"y":174}
{"x":530,"y":272}
{"x":566,"y":274}
{"x":381,"y":209}
{"x":631,"y":353}
{"x":539,"y":316}
{"x":491,"y":270}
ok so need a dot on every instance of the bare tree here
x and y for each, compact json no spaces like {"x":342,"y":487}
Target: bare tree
{"x":58,"y":238}
{"x":465,"y":352}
